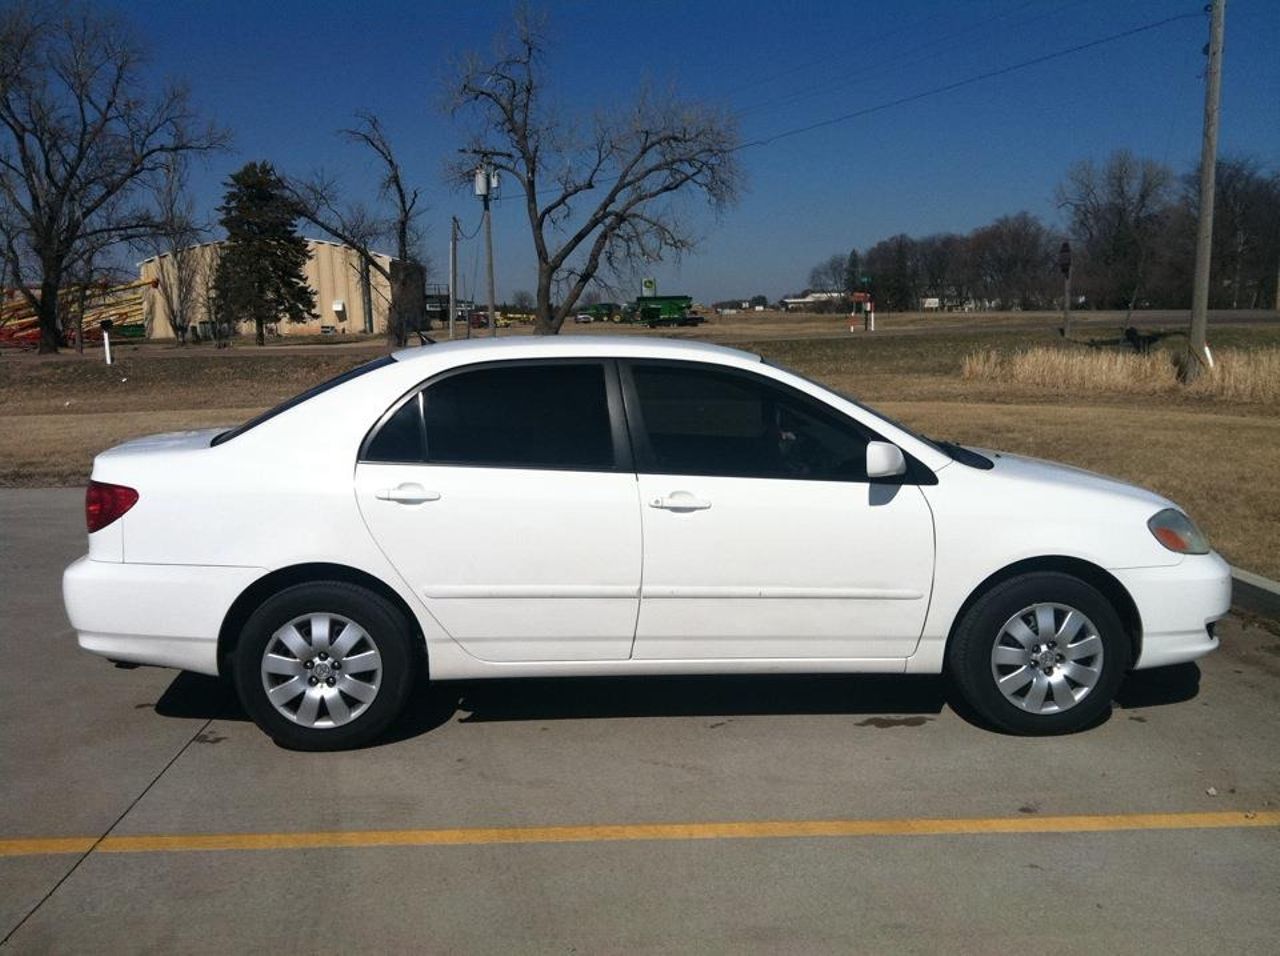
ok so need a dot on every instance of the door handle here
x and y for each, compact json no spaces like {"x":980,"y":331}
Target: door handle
{"x":409,"y":494}
{"x":680,"y":501}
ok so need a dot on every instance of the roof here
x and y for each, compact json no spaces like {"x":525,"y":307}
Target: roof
{"x":308,"y":239}
{"x":533,"y":346}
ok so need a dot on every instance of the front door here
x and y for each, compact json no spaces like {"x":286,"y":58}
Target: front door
{"x":505,"y":499}
{"x":763,"y":537}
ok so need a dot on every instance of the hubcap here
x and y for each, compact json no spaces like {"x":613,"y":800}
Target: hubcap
{"x":321,"y":670}
{"x":1047,"y":658}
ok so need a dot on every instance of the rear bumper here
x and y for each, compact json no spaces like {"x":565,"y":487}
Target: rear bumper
{"x":163,"y":614}
{"x":1177,"y":604}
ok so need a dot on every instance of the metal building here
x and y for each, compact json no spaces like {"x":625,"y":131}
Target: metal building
{"x":332,"y":272}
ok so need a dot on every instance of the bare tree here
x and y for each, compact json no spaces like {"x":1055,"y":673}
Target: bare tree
{"x":174,"y":242}
{"x":1246,"y":230}
{"x":1118,"y":212}
{"x":829,"y":275}
{"x":522,"y":300}
{"x":894,"y":267}
{"x":1010,"y":262}
{"x":206,"y":297}
{"x":939,"y":256}
{"x":626,"y":169}
{"x":319,"y":201}
{"x":78,"y":135}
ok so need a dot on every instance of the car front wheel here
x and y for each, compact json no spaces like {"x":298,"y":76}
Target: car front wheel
{"x":324,"y":666}
{"x":1042,"y":653}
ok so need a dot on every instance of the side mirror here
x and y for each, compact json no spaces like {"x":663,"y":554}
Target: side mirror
{"x":884,"y":460}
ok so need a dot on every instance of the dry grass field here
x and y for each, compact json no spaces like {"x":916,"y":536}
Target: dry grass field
{"x":1215,"y":449}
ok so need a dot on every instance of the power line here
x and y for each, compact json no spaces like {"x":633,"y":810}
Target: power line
{"x":948,"y":87}
{"x":900,"y":62}
{"x":462,"y":235}
{"x":801,"y":67}
{"x":968,"y":81}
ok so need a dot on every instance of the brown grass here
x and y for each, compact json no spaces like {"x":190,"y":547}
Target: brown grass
{"x":1216,"y":465}
{"x":1214,"y":448}
{"x":1238,"y":375}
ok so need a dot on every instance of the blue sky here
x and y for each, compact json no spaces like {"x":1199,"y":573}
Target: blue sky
{"x":284,"y":76}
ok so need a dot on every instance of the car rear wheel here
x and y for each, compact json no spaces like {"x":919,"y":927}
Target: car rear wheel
{"x":324,"y":666}
{"x":1042,"y":653}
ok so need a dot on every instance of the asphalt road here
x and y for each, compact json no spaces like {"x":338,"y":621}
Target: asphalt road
{"x":423,"y":843}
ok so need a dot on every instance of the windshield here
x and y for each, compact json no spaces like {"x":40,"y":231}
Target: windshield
{"x":298,"y":399}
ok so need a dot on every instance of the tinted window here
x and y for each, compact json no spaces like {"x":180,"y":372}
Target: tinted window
{"x":702,"y":421}
{"x":530,"y":416}
{"x":401,"y":437}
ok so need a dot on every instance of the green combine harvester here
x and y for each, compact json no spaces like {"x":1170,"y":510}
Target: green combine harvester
{"x":657,"y":311}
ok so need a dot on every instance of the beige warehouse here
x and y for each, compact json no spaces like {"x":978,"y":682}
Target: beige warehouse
{"x":332,"y":272}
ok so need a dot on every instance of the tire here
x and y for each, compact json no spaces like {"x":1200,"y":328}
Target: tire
{"x":299,"y":693}
{"x":1026,"y":682}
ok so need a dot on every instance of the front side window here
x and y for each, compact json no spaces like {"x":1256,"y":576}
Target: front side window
{"x":705,"y":421}
{"x":553,"y":415}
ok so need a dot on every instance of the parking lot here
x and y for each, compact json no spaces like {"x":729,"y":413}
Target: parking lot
{"x":143,"y":812}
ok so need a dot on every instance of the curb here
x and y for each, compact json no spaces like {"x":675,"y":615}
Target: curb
{"x":1254,"y":593}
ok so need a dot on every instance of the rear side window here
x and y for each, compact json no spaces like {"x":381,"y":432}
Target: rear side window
{"x":401,"y":437}
{"x":515,"y":416}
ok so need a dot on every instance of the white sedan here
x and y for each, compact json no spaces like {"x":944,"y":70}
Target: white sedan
{"x":582,"y":506}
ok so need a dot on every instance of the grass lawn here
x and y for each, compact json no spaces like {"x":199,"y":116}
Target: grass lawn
{"x":1217,"y":459}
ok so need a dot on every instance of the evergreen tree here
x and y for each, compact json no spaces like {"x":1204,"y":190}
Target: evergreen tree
{"x":260,"y":270}
{"x":853,"y":272}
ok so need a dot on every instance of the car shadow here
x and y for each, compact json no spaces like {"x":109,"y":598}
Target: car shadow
{"x":569,"y":698}
{"x":885,"y":700}
{"x":1159,"y":686}
{"x":198,"y":697}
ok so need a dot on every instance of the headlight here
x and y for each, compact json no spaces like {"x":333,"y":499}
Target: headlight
{"x":1177,"y":532}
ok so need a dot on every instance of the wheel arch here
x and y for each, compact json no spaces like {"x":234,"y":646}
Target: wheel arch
{"x":1097,"y":577}
{"x":275,"y":581}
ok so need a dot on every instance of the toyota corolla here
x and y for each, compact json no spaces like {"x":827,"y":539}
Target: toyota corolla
{"x":598,"y":506}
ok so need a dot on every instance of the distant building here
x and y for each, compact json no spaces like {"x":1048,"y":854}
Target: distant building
{"x":332,"y":272}
{"x":811,"y":300}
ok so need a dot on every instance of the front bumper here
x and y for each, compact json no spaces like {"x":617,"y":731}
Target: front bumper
{"x":1176,"y":605}
{"x":163,"y":614}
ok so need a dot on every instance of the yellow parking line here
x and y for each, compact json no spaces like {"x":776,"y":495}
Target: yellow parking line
{"x":743,"y":830}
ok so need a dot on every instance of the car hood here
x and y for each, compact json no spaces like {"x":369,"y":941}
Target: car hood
{"x":1054,"y":476}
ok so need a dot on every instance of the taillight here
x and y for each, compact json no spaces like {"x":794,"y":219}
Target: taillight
{"x":105,"y":502}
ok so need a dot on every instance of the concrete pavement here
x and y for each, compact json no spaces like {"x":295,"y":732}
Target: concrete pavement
{"x":87,"y":750}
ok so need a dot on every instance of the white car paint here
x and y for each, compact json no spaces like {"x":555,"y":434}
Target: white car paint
{"x":777,"y":569}
{"x":511,"y":572}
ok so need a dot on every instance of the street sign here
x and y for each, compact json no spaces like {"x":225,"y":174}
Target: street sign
{"x":1064,"y":258}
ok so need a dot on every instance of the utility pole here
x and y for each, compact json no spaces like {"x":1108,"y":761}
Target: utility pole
{"x":486,"y":181}
{"x":453,"y":272}
{"x":1208,"y":170}
{"x":1064,"y":263}
{"x":366,"y":295}
{"x":487,"y":170}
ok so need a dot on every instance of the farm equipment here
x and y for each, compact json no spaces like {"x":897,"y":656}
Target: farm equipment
{"x":124,"y":305}
{"x":657,"y":311}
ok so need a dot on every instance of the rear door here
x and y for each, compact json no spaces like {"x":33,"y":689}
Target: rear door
{"x":504,"y":495}
{"x":763,"y":537}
